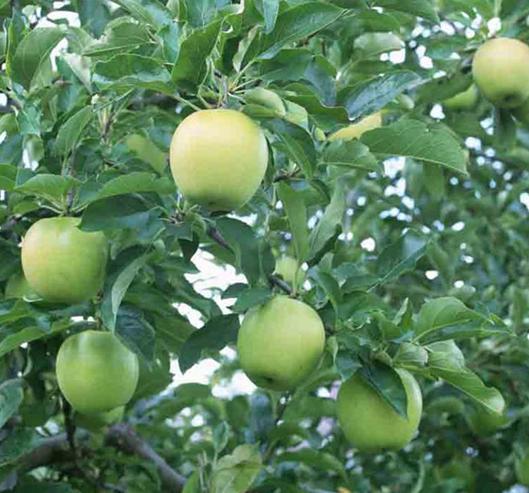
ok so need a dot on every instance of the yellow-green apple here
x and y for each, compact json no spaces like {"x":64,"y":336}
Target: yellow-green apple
{"x":218,"y":158}
{"x":369,"y":422}
{"x":280,"y":343}
{"x":465,"y":100}
{"x":290,"y":270}
{"x":501,"y":71}
{"x":62,"y":263}
{"x":96,"y":372}
{"x":356,"y":130}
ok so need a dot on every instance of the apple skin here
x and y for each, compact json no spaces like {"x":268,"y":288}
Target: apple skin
{"x":94,"y":422}
{"x":218,"y":158}
{"x":369,"y":422}
{"x":17,"y":286}
{"x":501,"y":71}
{"x":356,"y":130}
{"x":62,"y":263}
{"x":96,"y":372}
{"x":465,"y":100}
{"x":289,"y":269}
{"x":485,"y":423}
{"x":280,"y":343}
{"x":521,"y":467}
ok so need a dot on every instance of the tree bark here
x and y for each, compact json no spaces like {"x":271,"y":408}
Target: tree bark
{"x":56,"y":449}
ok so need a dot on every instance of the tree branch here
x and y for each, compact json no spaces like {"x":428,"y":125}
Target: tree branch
{"x":56,"y":449}
{"x":276,"y":281}
{"x":125,"y":438}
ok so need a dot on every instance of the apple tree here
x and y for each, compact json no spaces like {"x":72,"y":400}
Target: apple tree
{"x":264,"y":246}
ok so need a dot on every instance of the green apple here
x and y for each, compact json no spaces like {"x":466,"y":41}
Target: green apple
{"x":17,"y":286}
{"x":280,"y":343}
{"x":62,"y":263}
{"x":267,"y":98}
{"x":94,"y":422}
{"x":521,"y":467}
{"x":369,"y":422}
{"x":465,"y":100}
{"x":218,"y":158}
{"x":501,"y":71}
{"x":96,"y":372}
{"x":356,"y":130}
{"x":289,"y":269}
{"x":483,"y":422}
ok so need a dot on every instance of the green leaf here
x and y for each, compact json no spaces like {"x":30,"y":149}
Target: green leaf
{"x":421,"y":8}
{"x":150,"y":12}
{"x":215,"y":334}
{"x":400,"y":257}
{"x":297,"y":218}
{"x":31,"y":53}
{"x":350,"y":154}
{"x":123,"y":34}
{"x":135,"y":332}
{"x":296,"y":143}
{"x":71,"y":131}
{"x":369,"y":96}
{"x":270,"y":13}
{"x":54,"y":188}
{"x":252,"y":257}
{"x":13,"y":341}
{"x":387,"y":383}
{"x":190,"y":67}
{"x":443,"y":312}
{"x":446,"y":361}
{"x":414,"y":139}
{"x":128,"y":71}
{"x":116,"y":287}
{"x":116,"y":213}
{"x":315,"y":459}
{"x":16,"y":445}
{"x":323,"y":236}
{"x":11,"y":396}
{"x":297,"y":23}
{"x":251,"y":297}
{"x":235,"y":473}
{"x":136,"y":182}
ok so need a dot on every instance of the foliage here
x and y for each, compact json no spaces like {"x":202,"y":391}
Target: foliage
{"x":414,"y":237}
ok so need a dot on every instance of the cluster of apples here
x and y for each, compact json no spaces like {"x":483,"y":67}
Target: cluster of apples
{"x":500,"y":70}
{"x":96,"y":373}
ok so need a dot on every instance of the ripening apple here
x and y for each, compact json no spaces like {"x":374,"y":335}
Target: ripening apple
{"x":17,"y":286}
{"x":501,"y":71}
{"x":483,"y":422}
{"x":356,"y":130}
{"x":94,"y":422}
{"x":465,"y":100}
{"x":96,"y":372}
{"x":521,"y":467}
{"x":280,"y":343}
{"x":218,"y":158}
{"x":62,"y":263}
{"x":290,"y":270}
{"x":369,"y":422}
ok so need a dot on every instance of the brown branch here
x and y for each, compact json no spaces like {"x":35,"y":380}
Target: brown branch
{"x":276,"y":281}
{"x":125,"y":438}
{"x":56,"y":449}
{"x":217,"y":237}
